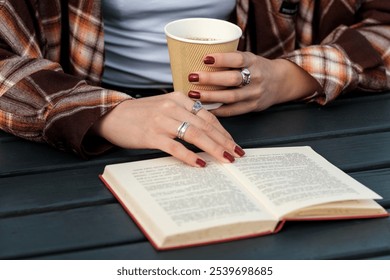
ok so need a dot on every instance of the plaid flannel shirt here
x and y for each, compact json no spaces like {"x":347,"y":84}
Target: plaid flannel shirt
{"x":51,"y":55}
{"x":343,"y":44}
{"x":50,"y":58}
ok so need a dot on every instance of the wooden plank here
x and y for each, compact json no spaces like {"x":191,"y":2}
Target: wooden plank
{"x":103,"y":226}
{"x":22,"y":195}
{"x":352,"y":152}
{"x":386,"y":256}
{"x":282,"y":126}
{"x":378,"y":181}
{"x":6,"y":137}
{"x":23,"y":157}
{"x":303,"y":240}
{"x":66,"y":230}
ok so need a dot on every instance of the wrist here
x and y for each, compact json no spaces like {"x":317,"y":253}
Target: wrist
{"x":294,"y":82}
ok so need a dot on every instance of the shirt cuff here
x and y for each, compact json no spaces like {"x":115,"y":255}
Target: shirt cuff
{"x":70,"y":129}
{"x":330,"y":66}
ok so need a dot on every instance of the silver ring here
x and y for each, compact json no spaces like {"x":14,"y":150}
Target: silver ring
{"x":182,"y":130}
{"x":246,"y":77}
{"x":196,"y":107}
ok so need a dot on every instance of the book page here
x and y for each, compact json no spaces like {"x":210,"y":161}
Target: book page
{"x":347,"y":208}
{"x":287,"y":179}
{"x":177,"y":198}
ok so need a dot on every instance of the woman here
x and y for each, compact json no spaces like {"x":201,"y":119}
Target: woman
{"x":51,"y":58}
{"x":48,"y":68}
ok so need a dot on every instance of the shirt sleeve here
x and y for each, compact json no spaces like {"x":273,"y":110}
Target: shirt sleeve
{"x":38,"y":100}
{"x":41,"y":103}
{"x":354,"y":57}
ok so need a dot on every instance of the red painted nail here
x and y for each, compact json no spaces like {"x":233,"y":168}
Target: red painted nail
{"x":239,"y":151}
{"x":209,"y":60}
{"x":194,"y":94}
{"x":228,"y":156}
{"x":200,"y":162}
{"x":193,"y":78}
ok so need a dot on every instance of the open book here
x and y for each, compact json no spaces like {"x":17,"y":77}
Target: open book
{"x":176,"y":205}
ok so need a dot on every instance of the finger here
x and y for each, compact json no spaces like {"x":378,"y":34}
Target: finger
{"x":205,"y":131}
{"x":203,"y":134}
{"x":210,"y":118}
{"x":180,"y":152}
{"x":229,"y":96}
{"x":163,"y":140}
{"x":206,"y":137}
{"x":210,"y":142}
{"x":207,"y":134}
{"x":229,"y":78}
{"x":203,"y":114}
{"x":180,"y":109}
{"x":228,"y":60}
{"x":234,"y":109}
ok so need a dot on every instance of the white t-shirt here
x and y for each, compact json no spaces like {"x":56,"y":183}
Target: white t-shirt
{"x":136,"y":53}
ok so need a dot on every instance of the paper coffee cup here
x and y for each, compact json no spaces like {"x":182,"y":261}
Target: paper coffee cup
{"x":190,"y":40}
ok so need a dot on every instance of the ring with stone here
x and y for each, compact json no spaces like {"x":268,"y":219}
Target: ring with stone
{"x":196,"y":107}
{"x":246,"y":77}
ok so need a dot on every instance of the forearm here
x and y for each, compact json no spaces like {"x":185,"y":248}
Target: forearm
{"x":295,"y":83}
{"x":59,"y":109}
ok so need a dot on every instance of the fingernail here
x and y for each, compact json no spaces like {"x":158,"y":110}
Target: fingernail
{"x":200,"y":162}
{"x":194,"y":94}
{"x":228,"y":156}
{"x":239,"y":151}
{"x":209,"y":60}
{"x":193,"y":78}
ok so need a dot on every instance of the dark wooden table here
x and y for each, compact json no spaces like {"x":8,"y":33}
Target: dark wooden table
{"x":53,"y":205}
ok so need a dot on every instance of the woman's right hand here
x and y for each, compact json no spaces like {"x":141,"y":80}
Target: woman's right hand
{"x":153,"y":122}
{"x":272,"y":81}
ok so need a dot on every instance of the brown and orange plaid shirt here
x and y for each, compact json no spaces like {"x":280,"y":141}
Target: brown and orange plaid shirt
{"x":51,"y":58}
{"x":343,"y":44}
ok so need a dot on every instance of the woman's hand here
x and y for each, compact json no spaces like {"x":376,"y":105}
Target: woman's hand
{"x":153,"y":123}
{"x":272,"y":82}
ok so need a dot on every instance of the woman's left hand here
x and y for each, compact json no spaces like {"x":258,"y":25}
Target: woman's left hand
{"x":271,"y":82}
